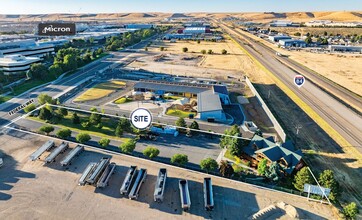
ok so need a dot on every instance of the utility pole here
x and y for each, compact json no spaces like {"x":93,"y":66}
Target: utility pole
{"x":298,"y":127}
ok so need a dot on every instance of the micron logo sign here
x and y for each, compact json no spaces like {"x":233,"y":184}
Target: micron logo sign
{"x":56,"y":29}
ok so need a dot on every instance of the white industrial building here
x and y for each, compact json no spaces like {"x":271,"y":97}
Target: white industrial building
{"x":343,"y":48}
{"x":194,"y":30}
{"x":281,"y":23}
{"x":209,"y":106}
{"x":292,"y":43}
{"x":277,"y":38}
{"x":12,"y":64}
{"x":25,"y":48}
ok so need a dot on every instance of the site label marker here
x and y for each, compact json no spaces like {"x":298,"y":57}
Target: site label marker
{"x":141,"y":118}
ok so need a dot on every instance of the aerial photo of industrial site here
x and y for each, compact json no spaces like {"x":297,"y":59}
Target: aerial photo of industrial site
{"x":141,"y":109}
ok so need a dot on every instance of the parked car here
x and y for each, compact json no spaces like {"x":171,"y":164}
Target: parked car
{"x":1,"y":162}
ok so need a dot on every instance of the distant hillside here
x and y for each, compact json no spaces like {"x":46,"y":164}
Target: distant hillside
{"x":148,"y":17}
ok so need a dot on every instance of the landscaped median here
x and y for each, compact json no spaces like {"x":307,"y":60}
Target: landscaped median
{"x":308,"y":110}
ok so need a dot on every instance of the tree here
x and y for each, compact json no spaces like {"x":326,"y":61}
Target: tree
{"x":224,"y":51}
{"x":75,"y":118}
{"x":70,"y":62}
{"x":308,"y":40}
{"x":45,"y":113}
{"x":181,"y":123}
{"x":259,"y":133}
{"x":146,"y":48}
{"x":46,"y":129}
{"x":273,"y":172}
{"x":302,"y":177}
{"x":208,"y":164}
{"x":179,"y":159}
{"x":151,"y":152}
{"x":350,"y":211}
{"x":119,"y":131}
{"x":63,"y":111}
{"x":185,"y":49}
{"x":128,"y":146}
{"x":29,"y":108}
{"x":325,"y":33}
{"x":83,"y":137}
{"x":162,"y":48}
{"x":236,"y":145}
{"x":326,"y":179}
{"x":45,"y":98}
{"x":194,"y":125}
{"x":226,"y":170}
{"x":39,"y":71}
{"x":64,"y":133}
{"x":95,"y":118}
{"x":226,"y":139}
{"x":298,"y":34}
{"x":262,"y":166}
{"x":125,"y":124}
{"x":104,"y":142}
{"x":203,"y":51}
{"x":55,"y":70}
{"x":99,"y":51}
{"x":210,"y":51}
{"x":198,"y":41}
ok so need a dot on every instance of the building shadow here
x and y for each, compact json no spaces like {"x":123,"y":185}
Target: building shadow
{"x":10,"y":175}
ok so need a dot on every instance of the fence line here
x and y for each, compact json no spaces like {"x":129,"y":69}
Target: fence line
{"x":276,"y":124}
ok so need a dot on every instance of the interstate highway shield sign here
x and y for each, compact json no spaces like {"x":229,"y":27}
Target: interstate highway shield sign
{"x":299,"y":80}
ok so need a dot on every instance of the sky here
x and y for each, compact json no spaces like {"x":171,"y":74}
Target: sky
{"x":172,"y":6}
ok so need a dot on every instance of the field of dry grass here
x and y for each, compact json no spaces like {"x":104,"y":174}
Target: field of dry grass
{"x":100,"y":90}
{"x":233,"y":60}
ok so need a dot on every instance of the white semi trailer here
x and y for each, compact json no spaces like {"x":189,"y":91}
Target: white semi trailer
{"x":141,"y":176}
{"x":160,"y":185}
{"x":184,"y":195}
{"x":127,"y":182}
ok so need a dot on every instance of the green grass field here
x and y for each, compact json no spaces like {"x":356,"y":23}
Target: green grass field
{"x":4,"y":99}
{"x":100,"y":90}
{"x":107,"y":131}
{"x":179,"y":113}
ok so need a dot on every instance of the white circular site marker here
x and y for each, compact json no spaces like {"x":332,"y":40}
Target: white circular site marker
{"x":141,"y":118}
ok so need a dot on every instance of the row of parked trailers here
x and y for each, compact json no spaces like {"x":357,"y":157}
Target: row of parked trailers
{"x":185,"y":194}
{"x":98,"y":174}
{"x":49,"y":145}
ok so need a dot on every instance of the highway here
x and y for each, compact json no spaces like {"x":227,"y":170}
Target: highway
{"x":58,"y":87}
{"x":344,"y":95}
{"x":343,"y":119}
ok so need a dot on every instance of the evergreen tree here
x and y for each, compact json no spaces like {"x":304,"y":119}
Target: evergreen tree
{"x":302,"y":177}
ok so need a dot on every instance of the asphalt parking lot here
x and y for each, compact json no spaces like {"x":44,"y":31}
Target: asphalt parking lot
{"x":196,"y":147}
{"x":32,"y":190}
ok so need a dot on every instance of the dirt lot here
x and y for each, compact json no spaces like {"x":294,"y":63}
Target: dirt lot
{"x":341,"y":68}
{"x":100,"y":90}
{"x":216,"y":60}
{"x":31,"y":190}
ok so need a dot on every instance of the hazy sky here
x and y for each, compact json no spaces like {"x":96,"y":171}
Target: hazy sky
{"x":109,"y":6}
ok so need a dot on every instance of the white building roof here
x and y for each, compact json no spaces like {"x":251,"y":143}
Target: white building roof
{"x":208,"y":101}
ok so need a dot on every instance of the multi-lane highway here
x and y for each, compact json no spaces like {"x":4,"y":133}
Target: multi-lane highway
{"x":343,"y":119}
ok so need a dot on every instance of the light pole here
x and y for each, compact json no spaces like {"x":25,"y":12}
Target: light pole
{"x":297,"y":127}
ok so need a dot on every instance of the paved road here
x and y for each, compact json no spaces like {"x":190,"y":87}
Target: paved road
{"x":341,"y":118}
{"x":58,"y":87}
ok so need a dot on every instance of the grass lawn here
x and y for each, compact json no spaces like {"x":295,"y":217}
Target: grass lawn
{"x":100,"y":90}
{"x":179,"y":113}
{"x":173,"y":97}
{"x":122,"y":100}
{"x":4,"y":99}
{"x":29,"y":84}
{"x":106,"y":131}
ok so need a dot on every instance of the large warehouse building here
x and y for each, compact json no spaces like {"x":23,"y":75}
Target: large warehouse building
{"x":210,"y":98}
